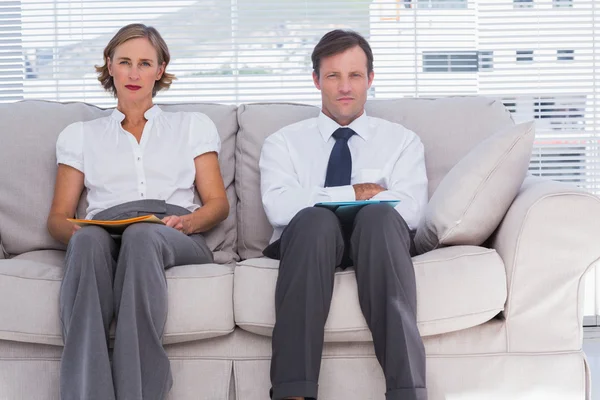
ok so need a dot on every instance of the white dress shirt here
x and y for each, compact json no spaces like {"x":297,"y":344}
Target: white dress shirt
{"x":118,"y":169}
{"x":293,"y":165}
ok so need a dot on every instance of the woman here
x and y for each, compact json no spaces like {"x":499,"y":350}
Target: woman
{"x":139,"y":160}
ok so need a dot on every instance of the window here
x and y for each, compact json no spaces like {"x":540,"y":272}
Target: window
{"x":561,"y":112}
{"x":486,"y":60}
{"x":559,"y":161}
{"x":237,"y":53}
{"x":444,"y":4}
{"x":40,"y":63}
{"x":510,"y":104}
{"x":561,"y":151}
{"x":11,"y":52}
{"x":524,"y":55}
{"x":451,"y":61}
{"x":523,"y":3}
{"x":562,"y":3}
{"x":565,"y":55}
{"x":434,"y":4}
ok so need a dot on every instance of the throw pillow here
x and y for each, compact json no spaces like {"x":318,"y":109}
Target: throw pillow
{"x":474,"y":196}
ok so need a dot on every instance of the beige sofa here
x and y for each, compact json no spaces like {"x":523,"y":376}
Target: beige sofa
{"x":502,"y":321}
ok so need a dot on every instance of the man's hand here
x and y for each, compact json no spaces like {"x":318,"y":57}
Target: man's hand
{"x":365,"y":191}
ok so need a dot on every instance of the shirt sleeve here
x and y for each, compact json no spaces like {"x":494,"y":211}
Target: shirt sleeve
{"x":408,"y":182}
{"x":204,"y":137}
{"x":282,"y":194}
{"x":69,"y":146}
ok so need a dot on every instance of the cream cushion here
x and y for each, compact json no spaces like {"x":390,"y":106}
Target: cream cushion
{"x":200,"y":299}
{"x":474,"y":196}
{"x":457,"y":287}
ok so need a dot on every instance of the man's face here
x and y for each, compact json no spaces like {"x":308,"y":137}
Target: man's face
{"x":343,"y":83}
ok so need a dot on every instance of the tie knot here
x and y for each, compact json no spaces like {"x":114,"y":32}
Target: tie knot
{"x":343,"y":133}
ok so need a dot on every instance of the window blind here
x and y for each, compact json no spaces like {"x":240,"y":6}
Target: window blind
{"x":539,"y":57}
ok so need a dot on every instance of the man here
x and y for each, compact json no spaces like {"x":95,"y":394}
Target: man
{"x":344,"y":155}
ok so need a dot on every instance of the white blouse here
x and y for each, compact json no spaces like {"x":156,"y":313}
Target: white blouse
{"x":117,"y":169}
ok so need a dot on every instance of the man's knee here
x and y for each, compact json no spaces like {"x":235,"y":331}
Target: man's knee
{"x":315,"y":221}
{"x":381,"y":223}
{"x":379,"y":215}
{"x":313,"y":231}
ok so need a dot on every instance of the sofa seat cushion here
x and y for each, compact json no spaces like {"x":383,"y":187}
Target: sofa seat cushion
{"x":51,"y":257}
{"x":457,"y":287}
{"x":200,"y":300}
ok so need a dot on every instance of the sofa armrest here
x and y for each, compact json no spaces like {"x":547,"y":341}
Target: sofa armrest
{"x":548,"y":239}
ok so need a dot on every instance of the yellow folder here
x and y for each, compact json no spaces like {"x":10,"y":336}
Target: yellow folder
{"x":117,"y":226}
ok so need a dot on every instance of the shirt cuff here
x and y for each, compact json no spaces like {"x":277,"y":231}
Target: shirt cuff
{"x":341,"y":193}
{"x":385,"y":195}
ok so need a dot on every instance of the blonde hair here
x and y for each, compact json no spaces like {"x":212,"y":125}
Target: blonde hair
{"x":129,"y":32}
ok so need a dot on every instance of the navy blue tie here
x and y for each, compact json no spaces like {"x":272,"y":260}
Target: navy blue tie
{"x":339,"y":168}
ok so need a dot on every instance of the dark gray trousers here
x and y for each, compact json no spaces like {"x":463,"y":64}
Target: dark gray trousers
{"x":124,"y":278}
{"x":311,"y":246}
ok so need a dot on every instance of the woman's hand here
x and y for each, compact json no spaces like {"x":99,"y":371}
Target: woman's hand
{"x":67,"y":190}
{"x":182,"y":223}
{"x":75,"y":229}
{"x":215,"y":206}
{"x":174,"y":222}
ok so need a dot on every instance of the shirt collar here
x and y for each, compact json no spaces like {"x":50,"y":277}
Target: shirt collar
{"x":327,"y":126}
{"x":151,"y":113}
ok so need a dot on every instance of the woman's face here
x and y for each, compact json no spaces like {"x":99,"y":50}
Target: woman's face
{"x":135,"y":69}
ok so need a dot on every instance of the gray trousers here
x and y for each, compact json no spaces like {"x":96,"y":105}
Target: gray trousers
{"x":124,"y":278}
{"x":311,"y":246}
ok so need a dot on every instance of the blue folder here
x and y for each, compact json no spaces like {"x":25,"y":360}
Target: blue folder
{"x":346,"y":210}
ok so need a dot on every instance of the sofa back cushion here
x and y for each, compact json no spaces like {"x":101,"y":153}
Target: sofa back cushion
{"x":28,"y":168}
{"x":257,"y":122}
{"x":448,"y":127}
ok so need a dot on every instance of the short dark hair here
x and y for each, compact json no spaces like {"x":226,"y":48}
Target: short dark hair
{"x":338,"y":41}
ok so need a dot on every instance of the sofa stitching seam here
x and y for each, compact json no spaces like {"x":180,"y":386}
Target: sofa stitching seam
{"x":169,"y":278}
{"x":241,"y":139}
{"x":365,"y":327}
